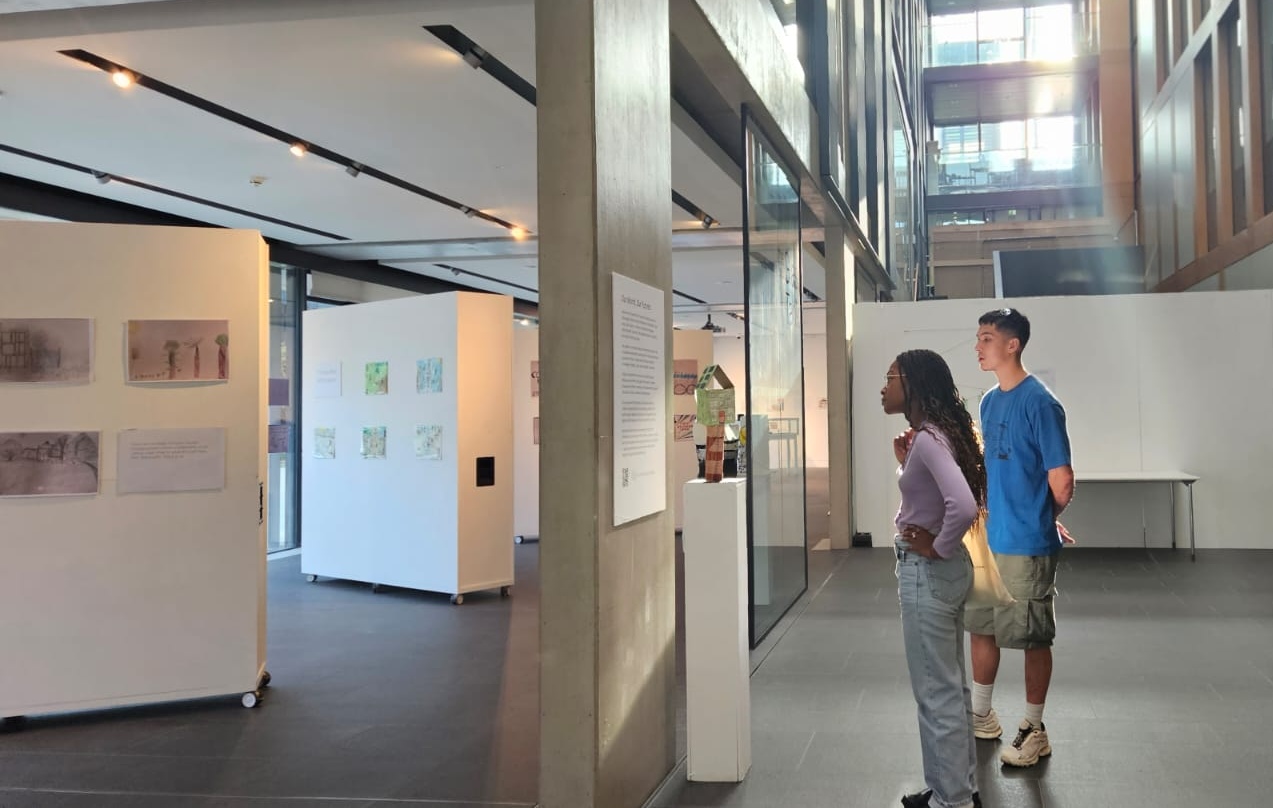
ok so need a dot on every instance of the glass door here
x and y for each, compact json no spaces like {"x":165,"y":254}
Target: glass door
{"x":773,"y":297}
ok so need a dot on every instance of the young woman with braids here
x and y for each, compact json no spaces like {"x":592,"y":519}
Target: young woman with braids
{"x":942,"y":476}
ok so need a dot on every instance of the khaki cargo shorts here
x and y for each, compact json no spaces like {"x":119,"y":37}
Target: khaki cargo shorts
{"x":1031,"y":621}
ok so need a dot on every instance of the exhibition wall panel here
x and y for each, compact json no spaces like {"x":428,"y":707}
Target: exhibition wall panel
{"x":401,"y":399}
{"x":117,"y":598}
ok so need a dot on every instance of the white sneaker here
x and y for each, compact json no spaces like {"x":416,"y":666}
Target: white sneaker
{"x":986,"y":726}
{"x":1030,"y":745}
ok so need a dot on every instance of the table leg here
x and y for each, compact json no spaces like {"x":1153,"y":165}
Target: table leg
{"x":1172,"y":485}
{"x":1193,"y":550}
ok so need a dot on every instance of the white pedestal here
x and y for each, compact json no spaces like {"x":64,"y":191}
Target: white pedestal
{"x":717,"y":664}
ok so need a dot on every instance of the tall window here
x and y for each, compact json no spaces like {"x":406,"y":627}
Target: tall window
{"x":954,"y":39}
{"x":904,"y":259}
{"x":1050,"y":32}
{"x":1210,"y":134}
{"x":1051,"y":142}
{"x":1000,"y":36}
{"x":1237,"y":115}
{"x":1180,"y":26}
{"x":1043,"y":33}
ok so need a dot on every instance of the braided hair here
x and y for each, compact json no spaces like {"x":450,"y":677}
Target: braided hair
{"x":929,"y":388}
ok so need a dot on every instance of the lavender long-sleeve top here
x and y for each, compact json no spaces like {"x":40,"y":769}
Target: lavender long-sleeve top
{"x":935,"y":495}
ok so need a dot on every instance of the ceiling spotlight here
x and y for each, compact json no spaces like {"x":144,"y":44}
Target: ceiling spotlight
{"x":518,"y":233}
{"x":102,"y":177}
{"x":467,"y":211}
{"x":708,"y":221}
{"x":353,"y":169}
{"x":299,"y":149}
{"x":455,"y":272}
{"x":122,"y":78}
{"x":474,"y":57}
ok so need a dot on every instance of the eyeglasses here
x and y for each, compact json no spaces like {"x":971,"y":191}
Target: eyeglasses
{"x":888,"y":377}
{"x":1006,"y":312}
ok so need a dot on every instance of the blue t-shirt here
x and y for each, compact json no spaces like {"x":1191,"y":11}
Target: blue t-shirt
{"x":1024,"y":434}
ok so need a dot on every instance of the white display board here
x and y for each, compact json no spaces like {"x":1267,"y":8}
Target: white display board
{"x":116,"y":599}
{"x":398,"y":502}
{"x":1149,"y":382}
{"x":640,"y":399}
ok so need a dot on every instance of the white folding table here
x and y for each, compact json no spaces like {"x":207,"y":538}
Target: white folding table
{"x":1172,"y":478}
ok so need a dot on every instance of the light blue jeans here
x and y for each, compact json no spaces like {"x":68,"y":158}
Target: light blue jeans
{"x":932,"y":595}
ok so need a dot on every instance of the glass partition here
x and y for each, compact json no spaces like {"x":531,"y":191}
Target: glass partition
{"x":284,"y":396}
{"x":775,"y":433}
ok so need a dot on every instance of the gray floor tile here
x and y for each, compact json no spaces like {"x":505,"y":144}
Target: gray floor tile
{"x":1162,"y":696}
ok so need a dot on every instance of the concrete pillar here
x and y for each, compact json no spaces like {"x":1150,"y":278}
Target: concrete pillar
{"x":841,"y":294}
{"x":607,"y":602}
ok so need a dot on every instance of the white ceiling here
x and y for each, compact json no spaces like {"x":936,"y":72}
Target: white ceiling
{"x":376,"y":87}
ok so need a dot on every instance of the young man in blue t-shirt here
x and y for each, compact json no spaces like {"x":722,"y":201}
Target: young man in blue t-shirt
{"x":1029,"y":481}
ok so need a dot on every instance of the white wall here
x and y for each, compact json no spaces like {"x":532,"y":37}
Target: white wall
{"x":730,"y":352}
{"x":124,"y":599}
{"x":1149,"y":382}
{"x":402,"y":520}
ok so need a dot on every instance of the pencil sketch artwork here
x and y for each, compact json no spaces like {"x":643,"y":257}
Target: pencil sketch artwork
{"x":684,"y":427}
{"x":428,"y":442}
{"x":48,"y":464}
{"x":376,"y":378}
{"x":428,"y":375}
{"x":373,"y":442}
{"x":325,"y":442}
{"x":178,"y":350}
{"x":46,"y":351}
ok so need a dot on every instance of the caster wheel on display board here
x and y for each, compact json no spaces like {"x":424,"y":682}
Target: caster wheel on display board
{"x":251,"y":699}
{"x":457,"y":599}
{"x":311,"y":578}
{"x":505,"y":591}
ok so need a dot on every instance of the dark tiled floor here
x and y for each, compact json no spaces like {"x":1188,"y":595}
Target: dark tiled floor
{"x":1163,"y":696}
{"x":397,"y":698}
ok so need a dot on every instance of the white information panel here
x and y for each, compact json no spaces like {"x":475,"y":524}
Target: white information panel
{"x":152,"y":460}
{"x":640,"y":400}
